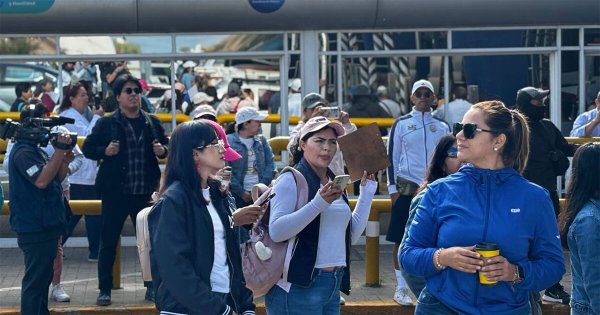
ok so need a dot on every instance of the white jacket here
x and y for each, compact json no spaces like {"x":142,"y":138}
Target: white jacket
{"x":86,"y":175}
{"x":411,"y":144}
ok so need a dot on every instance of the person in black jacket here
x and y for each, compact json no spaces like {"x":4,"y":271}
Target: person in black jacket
{"x":128,"y":143}
{"x":547,"y":146}
{"x":195,"y":256}
{"x":364,"y":104}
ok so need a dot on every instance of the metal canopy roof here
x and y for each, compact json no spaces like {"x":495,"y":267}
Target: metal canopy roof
{"x":202,"y":16}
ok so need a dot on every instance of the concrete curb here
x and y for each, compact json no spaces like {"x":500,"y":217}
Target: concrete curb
{"x":352,"y":308}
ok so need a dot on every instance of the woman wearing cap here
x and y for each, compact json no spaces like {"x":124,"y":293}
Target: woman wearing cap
{"x":195,"y":258}
{"x":487,"y":201}
{"x":199,"y":99}
{"x":257,"y":164}
{"x":322,"y":230}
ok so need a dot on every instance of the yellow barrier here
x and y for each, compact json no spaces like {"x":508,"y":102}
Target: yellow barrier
{"x":94,"y":207}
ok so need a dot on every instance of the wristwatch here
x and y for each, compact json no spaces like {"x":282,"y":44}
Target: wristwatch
{"x":518,"y":274}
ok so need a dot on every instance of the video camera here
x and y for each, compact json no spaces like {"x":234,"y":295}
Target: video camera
{"x":37,"y":131}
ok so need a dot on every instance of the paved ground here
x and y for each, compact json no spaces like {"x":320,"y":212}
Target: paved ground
{"x":80,"y":278}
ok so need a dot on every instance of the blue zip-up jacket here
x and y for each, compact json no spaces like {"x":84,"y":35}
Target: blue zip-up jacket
{"x":478,"y":205}
{"x":413,"y":138}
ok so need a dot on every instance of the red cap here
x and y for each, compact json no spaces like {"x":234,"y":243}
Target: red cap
{"x":230,"y":154}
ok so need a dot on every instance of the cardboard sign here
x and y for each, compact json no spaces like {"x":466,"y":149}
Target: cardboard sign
{"x":364,"y":150}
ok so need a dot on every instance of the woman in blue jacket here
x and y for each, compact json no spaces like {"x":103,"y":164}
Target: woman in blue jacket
{"x":195,"y":255}
{"x":580,"y":224}
{"x":485,"y":201}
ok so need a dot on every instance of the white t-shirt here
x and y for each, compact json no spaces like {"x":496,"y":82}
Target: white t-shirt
{"x":251,"y":177}
{"x":219,"y":276}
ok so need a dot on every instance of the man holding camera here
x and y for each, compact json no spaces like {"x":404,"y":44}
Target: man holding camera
{"x":37,"y":210}
{"x":129,"y":143}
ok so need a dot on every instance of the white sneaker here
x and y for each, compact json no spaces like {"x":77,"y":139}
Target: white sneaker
{"x":342,"y":300}
{"x":401,"y":296}
{"x":58,"y":294}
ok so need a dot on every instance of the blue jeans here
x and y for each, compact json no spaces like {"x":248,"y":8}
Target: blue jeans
{"x":322,"y":297}
{"x":427,"y":304}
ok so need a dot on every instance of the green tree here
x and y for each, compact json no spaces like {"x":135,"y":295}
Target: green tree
{"x":17,"y":46}
{"x":127,"y":48}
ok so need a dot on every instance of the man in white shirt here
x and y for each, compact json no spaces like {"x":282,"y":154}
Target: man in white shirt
{"x":588,"y":123}
{"x":454,"y":111}
{"x":390,"y":106}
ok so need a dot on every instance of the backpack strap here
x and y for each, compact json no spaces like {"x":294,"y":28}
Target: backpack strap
{"x":235,"y":108}
{"x":301,"y":200}
{"x":149,"y":122}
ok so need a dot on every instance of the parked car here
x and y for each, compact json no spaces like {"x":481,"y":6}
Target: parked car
{"x":13,"y":73}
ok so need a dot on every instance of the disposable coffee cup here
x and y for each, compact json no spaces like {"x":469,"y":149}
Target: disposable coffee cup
{"x":487,"y":250}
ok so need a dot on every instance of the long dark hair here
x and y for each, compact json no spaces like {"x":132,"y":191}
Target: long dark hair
{"x":436,"y":170}
{"x":180,"y":162}
{"x":584,"y":185}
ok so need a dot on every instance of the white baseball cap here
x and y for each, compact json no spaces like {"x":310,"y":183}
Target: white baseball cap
{"x":295,"y":85}
{"x":422,"y":84}
{"x":247,"y":114}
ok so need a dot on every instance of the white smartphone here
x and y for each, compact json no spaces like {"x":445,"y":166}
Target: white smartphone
{"x":341,"y":181}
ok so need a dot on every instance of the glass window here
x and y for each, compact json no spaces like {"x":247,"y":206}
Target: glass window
{"x":20,"y":74}
{"x":504,"y":38}
{"x":570,"y":37}
{"x":393,"y":40}
{"x":229,"y":43}
{"x":592,"y":37}
{"x":27,"y":45}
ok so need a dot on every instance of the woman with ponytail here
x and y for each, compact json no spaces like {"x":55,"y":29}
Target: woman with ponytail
{"x":486,"y":201}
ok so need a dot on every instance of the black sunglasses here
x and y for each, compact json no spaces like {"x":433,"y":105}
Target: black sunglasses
{"x":423,"y":94}
{"x":131,"y":90}
{"x":469,"y":130}
{"x":452,"y":152}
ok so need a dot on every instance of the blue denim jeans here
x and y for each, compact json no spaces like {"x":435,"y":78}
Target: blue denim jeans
{"x":427,"y":304}
{"x":322,"y":297}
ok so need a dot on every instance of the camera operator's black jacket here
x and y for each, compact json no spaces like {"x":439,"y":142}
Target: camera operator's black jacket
{"x":113,"y":169}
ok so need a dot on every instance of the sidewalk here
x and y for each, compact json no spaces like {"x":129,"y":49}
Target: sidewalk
{"x":80,"y":282}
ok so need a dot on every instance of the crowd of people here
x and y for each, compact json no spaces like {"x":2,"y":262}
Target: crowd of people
{"x":475,"y":218}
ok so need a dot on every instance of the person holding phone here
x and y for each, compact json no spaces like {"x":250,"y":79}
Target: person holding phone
{"x":322,"y":230}
{"x":312,"y":106}
{"x":488,"y":201}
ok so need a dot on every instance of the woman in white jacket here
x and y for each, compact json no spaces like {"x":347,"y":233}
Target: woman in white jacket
{"x":75,"y":105}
